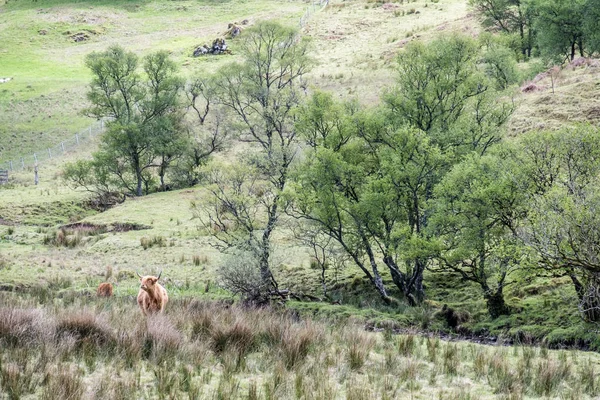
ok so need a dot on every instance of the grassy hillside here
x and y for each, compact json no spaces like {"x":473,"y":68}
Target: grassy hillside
{"x":42,"y":103}
{"x":574,"y":97}
{"x":170,"y":239}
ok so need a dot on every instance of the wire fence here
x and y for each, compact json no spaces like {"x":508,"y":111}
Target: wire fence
{"x":311,"y":9}
{"x":45,"y":154}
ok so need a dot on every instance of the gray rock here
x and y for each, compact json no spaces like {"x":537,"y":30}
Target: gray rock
{"x":200,"y":51}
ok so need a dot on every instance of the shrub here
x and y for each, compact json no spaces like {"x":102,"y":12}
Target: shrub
{"x":15,"y":380}
{"x":450,"y":359}
{"x":548,"y":377}
{"x":239,"y":336}
{"x":163,"y":338}
{"x":406,"y":345}
{"x":23,"y":326}
{"x":62,"y":238}
{"x":198,"y":260}
{"x":240,"y":274}
{"x":295,"y":342}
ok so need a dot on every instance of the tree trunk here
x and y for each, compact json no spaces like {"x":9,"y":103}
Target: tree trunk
{"x":589,"y":297}
{"x":410,"y":287}
{"x":138,"y":191}
{"x":529,"y":41}
{"x":376,"y":275}
{"x":522,"y":33}
{"x":265,"y":270}
{"x":417,"y":288}
{"x":495,"y":304}
{"x":161,"y":173}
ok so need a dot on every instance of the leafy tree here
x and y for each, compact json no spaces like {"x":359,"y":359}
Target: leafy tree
{"x":370,"y":174}
{"x":559,"y":28}
{"x":260,"y":96}
{"x":563,"y":224}
{"x":510,"y":17}
{"x":499,"y":62}
{"x":145,"y":117}
{"x":479,"y":206}
{"x":333,"y":186}
{"x":435,"y":82}
{"x":591,"y":25}
{"x":442,"y":93}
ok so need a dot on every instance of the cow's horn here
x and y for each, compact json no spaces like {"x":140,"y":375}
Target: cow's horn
{"x":138,"y":274}
{"x":159,"y":275}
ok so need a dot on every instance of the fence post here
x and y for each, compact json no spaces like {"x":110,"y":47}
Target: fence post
{"x":62,"y":145}
{"x":49,"y":153}
{"x":77,"y":138}
{"x":90,"y":131}
{"x":11,"y":165}
{"x":35,"y":158}
{"x":101,"y":124}
{"x":36,"y":178}
{"x":22,"y":163}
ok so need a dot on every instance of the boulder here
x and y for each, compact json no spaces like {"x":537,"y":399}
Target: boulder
{"x":233,"y":30}
{"x":200,"y":50}
{"x":219,"y":46}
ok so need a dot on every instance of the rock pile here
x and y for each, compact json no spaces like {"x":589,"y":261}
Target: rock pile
{"x":80,"y":37}
{"x":234,"y":29}
{"x":219,"y":46}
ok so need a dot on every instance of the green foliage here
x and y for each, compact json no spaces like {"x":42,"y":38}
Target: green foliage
{"x":591,"y":25}
{"x":145,"y":121}
{"x":478,"y":208}
{"x":558,"y":24}
{"x":435,"y":81}
{"x":562,"y":168}
{"x":260,"y":95}
{"x":369,"y":176}
{"x":512,"y":17}
{"x":500,"y":64}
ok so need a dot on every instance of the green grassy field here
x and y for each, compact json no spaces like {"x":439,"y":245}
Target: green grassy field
{"x":43,"y":102}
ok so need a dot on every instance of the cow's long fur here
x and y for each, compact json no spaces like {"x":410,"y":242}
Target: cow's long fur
{"x":152,"y":297}
{"x":105,"y":289}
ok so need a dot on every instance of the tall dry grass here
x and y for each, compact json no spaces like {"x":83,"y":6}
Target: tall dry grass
{"x":84,"y":348}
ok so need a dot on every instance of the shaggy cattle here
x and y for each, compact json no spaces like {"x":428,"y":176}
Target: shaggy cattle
{"x":105,"y":289}
{"x":152,"y":297}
